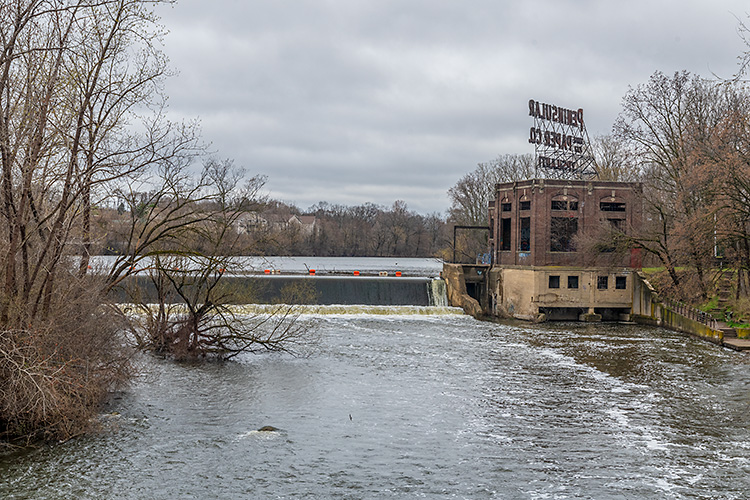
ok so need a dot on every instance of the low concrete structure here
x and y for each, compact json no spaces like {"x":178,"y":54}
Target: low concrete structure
{"x":560,"y":293}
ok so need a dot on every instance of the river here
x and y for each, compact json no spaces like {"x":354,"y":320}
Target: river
{"x":421,"y":404}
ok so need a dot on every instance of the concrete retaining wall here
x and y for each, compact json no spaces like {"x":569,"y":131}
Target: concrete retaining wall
{"x":648,"y":309}
{"x":455,"y":285}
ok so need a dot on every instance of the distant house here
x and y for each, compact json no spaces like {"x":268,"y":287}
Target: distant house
{"x":253,"y":221}
{"x":250,"y":222}
{"x":305,"y":223}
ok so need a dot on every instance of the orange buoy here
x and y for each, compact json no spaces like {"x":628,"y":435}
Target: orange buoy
{"x":267,"y":271}
{"x":398,"y":274}
{"x":312,"y":272}
{"x":356,"y":273}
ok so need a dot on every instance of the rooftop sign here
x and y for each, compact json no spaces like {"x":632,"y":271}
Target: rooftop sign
{"x":560,"y":139}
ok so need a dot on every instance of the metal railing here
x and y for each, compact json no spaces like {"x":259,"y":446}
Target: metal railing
{"x":691,"y":312}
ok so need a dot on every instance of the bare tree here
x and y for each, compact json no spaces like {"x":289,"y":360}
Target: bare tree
{"x":470,"y":196}
{"x":71,"y":77}
{"x":667,"y":122}
{"x":193,"y":313}
{"x":615,"y":160}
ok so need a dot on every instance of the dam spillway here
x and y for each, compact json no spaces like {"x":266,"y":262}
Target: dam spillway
{"x":319,"y":290}
{"x":348,"y":290}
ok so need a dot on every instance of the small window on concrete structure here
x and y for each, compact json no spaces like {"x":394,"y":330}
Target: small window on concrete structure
{"x":525,"y":237}
{"x":610,"y":206}
{"x":572,"y":281}
{"x":621,"y":282}
{"x":525,"y":205}
{"x":562,"y":233}
{"x":602,"y":282}
{"x":554,"y":282}
{"x":505,"y":235}
{"x":506,"y":207}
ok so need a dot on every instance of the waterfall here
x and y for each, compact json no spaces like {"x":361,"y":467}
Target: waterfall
{"x":437,"y":293}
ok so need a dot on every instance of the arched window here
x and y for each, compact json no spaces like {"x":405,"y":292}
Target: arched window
{"x":563,"y":202}
{"x":612,"y":204}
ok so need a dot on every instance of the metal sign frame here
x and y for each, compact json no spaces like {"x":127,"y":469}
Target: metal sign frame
{"x":561,"y":142}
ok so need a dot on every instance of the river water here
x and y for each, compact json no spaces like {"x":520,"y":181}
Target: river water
{"x":427,"y":403}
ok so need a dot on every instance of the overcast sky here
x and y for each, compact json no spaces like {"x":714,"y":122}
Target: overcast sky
{"x":353,"y":101}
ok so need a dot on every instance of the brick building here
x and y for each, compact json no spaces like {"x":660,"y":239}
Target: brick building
{"x":539,"y":267}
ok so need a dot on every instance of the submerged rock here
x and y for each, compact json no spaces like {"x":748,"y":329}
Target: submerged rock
{"x":268,"y":428}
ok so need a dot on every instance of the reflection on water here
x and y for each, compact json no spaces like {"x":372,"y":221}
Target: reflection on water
{"x":434,"y":406}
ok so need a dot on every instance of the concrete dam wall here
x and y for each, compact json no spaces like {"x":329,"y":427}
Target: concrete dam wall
{"x":320,"y":290}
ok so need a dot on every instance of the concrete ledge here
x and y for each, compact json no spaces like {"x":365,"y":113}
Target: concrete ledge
{"x":737,"y":344}
{"x":644,"y":320}
{"x":590,"y":318}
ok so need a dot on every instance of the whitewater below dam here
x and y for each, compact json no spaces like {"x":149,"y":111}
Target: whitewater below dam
{"x":409,"y":402}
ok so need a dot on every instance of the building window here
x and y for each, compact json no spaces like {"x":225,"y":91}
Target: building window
{"x":572,"y":281}
{"x":621,"y":282}
{"x":525,"y":205}
{"x":505,"y":235}
{"x":506,"y":207}
{"x":602,"y":282}
{"x":606,"y":206}
{"x":554,"y":282}
{"x":562,"y":234}
{"x":525,"y":237}
{"x":564,"y":204}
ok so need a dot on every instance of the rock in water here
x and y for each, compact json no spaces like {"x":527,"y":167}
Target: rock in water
{"x":268,"y":428}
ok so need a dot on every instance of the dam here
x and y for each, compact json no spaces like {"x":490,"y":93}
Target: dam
{"x":377,"y":281}
{"x":319,"y":290}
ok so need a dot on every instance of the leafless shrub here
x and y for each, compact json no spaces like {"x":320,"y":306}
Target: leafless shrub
{"x":54,"y":373}
{"x":195,"y":315}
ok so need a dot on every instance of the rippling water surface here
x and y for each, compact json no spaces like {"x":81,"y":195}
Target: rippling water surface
{"x":431,"y":406}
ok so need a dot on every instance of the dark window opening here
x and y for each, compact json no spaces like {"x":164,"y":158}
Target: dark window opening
{"x":564,"y":205}
{"x":562,"y":234}
{"x":525,"y":205}
{"x":621,"y":282}
{"x":602,"y":282}
{"x":525,"y":237}
{"x":505,"y":235}
{"x":606,"y":206}
{"x":554,"y":282}
{"x":506,"y":207}
{"x":616,"y":224}
{"x":572,"y":281}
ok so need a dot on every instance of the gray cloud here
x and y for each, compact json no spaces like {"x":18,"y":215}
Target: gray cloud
{"x":374,"y":101}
